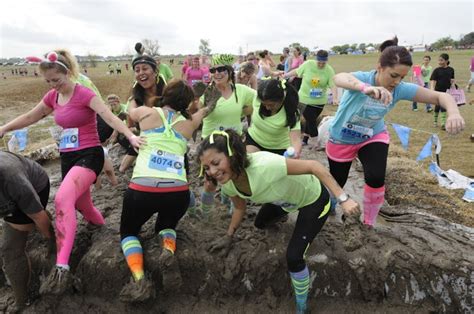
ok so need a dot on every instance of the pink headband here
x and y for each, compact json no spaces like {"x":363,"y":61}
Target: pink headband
{"x":51,"y":57}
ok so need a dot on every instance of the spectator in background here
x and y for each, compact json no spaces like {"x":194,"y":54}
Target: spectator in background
{"x":118,"y":68}
{"x":426,"y":70}
{"x":281,"y":65}
{"x":194,"y":73}
{"x":186,"y":64}
{"x":296,"y":61}
{"x":471,"y":81}
{"x":237,"y":63}
{"x":164,"y":69}
{"x":441,"y":80}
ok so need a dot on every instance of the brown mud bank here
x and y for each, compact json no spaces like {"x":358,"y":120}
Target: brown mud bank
{"x":412,"y":262}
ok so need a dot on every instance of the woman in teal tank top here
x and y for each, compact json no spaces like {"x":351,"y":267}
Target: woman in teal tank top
{"x":158,"y":185}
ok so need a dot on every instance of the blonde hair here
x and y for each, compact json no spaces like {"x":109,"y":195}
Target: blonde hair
{"x":65,"y":57}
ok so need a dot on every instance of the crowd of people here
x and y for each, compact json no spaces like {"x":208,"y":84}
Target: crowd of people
{"x":255,"y":120}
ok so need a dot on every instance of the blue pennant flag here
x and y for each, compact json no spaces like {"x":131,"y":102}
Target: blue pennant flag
{"x":22,"y":137}
{"x":403,"y":133}
{"x":426,"y":150}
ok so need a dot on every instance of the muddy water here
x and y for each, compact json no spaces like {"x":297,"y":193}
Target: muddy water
{"x":411,"y":262}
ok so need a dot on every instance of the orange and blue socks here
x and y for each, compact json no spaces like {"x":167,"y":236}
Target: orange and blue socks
{"x":300,"y":283}
{"x":169,"y":239}
{"x":373,"y":201}
{"x":132,"y":249}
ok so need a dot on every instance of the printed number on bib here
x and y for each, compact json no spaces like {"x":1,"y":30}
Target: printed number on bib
{"x":164,"y":161}
{"x":69,"y":138}
{"x":315,"y":93}
{"x":356,"y":131}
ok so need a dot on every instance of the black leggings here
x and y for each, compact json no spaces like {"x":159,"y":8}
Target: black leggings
{"x":373,"y":157}
{"x":139,"y":206}
{"x":311,"y":114}
{"x":307,"y":227}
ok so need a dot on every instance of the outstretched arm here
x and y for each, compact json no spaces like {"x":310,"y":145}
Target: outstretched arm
{"x":34,"y":115}
{"x":297,"y":167}
{"x":98,"y":106}
{"x":454,"y":122}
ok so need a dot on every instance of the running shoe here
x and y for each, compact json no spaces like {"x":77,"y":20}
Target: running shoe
{"x":170,"y":272}
{"x":58,"y":282}
{"x":138,"y":291}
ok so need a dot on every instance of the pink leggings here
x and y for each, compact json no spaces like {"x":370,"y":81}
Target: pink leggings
{"x":74,"y":192}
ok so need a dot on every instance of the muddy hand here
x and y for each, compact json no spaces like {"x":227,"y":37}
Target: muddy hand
{"x":211,"y":96}
{"x":350,"y":207}
{"x":221,"y":245}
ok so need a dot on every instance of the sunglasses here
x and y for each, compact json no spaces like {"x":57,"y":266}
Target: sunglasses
{"x":218,"y":69}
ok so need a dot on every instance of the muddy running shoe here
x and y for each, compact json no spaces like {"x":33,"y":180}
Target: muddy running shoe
{"x":169,"y":268}
{"x":58,"y":282}
{"x":138,"y":291}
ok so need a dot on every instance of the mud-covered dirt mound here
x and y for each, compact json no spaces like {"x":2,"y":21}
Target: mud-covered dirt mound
{"x":411,"y":262}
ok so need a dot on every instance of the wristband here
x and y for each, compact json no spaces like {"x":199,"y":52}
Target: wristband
{"x":363,"y":87}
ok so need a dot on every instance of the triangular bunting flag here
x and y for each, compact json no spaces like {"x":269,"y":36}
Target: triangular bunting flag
{"x":426,"y":150}
{"x":437,"y":144}
{"x":403,"y":133}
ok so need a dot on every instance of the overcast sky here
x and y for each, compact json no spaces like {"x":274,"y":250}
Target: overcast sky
{"x":112,"y":27}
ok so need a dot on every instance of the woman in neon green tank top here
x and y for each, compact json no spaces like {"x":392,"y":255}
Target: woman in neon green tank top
{"x":158,"y":185}
{"x":283,"y":186}
{"x":275,"y":119}
{"x":230,"y":102}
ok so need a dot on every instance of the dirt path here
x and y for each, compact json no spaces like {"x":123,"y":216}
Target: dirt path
{"x":412,"y":262}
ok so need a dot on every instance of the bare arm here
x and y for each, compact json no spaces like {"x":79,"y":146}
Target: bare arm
{"x":350,"y":82}
{"x":34,"y":115}
{"x":101,"y":109}
{"x":454,"y":122}
{"x":335,"y":96}
{"x":297,"y":167}
{"x":291,"y":73}
{"x":253,"y":82}
{"x":295,"y":140}
{"x":240,"y":207}
{"x":248,"y":110}
{"x":42,"y":222}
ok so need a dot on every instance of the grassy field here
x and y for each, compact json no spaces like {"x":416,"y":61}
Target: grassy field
{"x":408,"y":182}
{"x":18,"y":94}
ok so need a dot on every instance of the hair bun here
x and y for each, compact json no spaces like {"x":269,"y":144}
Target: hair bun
{"x":389,"y":43}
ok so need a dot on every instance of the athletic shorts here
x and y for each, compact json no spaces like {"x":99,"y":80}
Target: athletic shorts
{"x":90,"y":158}
{"x":348,"y":152}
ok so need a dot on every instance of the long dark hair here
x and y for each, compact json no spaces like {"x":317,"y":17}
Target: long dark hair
{"x":138,"y":92}
{"x":279,"y":91}
{"x":239,"y":159}
{"x":392,"y":54}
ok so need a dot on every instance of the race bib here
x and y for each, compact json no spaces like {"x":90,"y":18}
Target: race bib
{"x":315,"y":93}
{"x":69,"y":138}
{"x":356,"y":131}
{"x":168,"y":162}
